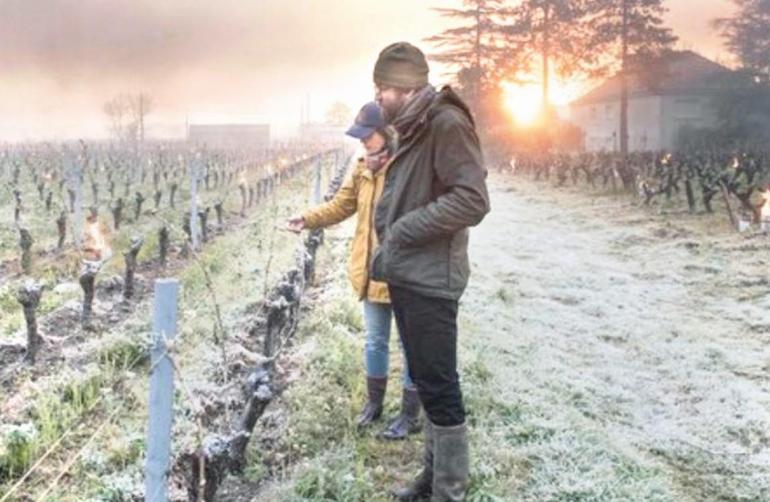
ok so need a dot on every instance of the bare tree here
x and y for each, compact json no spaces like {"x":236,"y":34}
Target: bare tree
{"x":116,"y":112}
{"x":127,"y":115}
{"x":338,"y":114}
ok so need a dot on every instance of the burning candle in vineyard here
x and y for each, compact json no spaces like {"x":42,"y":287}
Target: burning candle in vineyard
{"x":95,"y":246}
{"x":765,"y":213}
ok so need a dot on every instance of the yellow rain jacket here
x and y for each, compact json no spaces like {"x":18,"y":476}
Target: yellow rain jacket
{"x":357,"y":195}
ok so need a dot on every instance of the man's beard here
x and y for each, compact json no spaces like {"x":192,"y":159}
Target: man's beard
{"x":390,"y":111}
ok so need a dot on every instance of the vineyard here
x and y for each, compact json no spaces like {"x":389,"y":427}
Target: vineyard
{"x":604,"y":311}
{"x":739,"y":183}
{"x":86,"y":231}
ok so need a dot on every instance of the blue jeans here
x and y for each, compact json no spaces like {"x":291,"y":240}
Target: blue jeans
{"x":377,"y":319}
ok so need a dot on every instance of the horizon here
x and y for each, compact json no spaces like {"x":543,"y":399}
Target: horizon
{"x":210,"y":64}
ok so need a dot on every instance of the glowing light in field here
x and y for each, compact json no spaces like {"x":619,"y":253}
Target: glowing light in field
{"x":525,"y":101}
{"x":766,"y":206}
{"x":96,"y":247}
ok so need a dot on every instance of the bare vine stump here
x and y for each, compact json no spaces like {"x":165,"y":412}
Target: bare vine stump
{"x":138,"y":200}
{"x":130,"y":258}
{"x":163,"y":245}
{"x":172,"y":194}
{"x":251,"y":196}
{"x":221,"y":455}
{"x":242,"y":188}
{"x":41,"y":190}
{"x":219,"y":210}
{"x":186,"y":226}
{"x":25,"y":243}
{"x":61,"y":228}
{"x":48,"y":201}
{"x":203,"y":216}
{"x":87,"y":281}
{"x":72,"y":194}
{"x":260,"y":395}
{"x":117,"y":213}
{"x":29,"y":296}
{"x":156,"y":198}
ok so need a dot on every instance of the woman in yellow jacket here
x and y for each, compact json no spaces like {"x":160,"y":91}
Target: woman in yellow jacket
{"x":358,"y":195}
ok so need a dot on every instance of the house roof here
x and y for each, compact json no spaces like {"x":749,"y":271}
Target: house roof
{"x":685,"y":72}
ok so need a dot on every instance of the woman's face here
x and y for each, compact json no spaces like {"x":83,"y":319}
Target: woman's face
{"x":373,"y":143}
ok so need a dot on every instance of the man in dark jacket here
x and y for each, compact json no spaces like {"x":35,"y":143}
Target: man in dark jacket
{"x":435,"y":188}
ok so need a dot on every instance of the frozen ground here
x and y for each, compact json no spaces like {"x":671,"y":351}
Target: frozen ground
{"x":637,"y":342}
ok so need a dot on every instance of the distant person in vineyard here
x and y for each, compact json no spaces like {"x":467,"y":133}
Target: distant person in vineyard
{"x":358,"y":195}
{"x":435,"y":188}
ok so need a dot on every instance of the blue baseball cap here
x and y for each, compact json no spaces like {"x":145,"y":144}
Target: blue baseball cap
{"x":368,"y":120}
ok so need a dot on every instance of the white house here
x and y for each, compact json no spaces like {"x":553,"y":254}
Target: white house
{"x":681,"y":98}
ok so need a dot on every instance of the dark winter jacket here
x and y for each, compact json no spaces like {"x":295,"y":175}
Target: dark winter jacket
{"x":435,"y":188}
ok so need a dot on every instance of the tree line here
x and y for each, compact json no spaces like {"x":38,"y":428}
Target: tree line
{"x":496,"y":41}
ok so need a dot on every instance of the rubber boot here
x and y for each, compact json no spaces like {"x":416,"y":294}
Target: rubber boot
{"x":408,"y":421}
{"x":373,"y":410}
{"x":450,"y":463}
{"x":421,"y":488}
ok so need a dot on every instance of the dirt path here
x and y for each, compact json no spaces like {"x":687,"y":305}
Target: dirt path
{"x":640,"y":341}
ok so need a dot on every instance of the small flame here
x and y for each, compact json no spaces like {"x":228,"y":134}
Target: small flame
{"x":766,"y":206}
{"x":736,"y":163}
{"x":96,"y":247}
{"x":242,"y":179}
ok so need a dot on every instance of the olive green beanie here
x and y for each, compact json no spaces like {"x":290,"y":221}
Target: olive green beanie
{"x":401,"y":65}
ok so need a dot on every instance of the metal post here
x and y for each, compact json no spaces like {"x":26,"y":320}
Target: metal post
{"x":161,"y":391}
{"x":194,"y":173}
{"x":317,"y":189}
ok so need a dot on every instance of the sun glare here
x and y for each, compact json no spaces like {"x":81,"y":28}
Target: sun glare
{"x":524,"y":101}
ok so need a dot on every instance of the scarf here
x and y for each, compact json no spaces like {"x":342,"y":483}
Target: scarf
{"x":414,"y":112}
{"x":376,"y":161}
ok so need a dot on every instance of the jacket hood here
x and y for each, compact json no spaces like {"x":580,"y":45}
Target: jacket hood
{"x":448,"y":97}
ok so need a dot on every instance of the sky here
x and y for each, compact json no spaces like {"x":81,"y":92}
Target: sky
{"x":219,"y":61}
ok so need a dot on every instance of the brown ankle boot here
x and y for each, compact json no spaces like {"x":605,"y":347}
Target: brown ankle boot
{"x":373,"y":410}
{"x":422,"y":487}
{"x":408,"y":421}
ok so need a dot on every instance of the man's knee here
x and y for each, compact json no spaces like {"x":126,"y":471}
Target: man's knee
{"x":443,"y":403}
